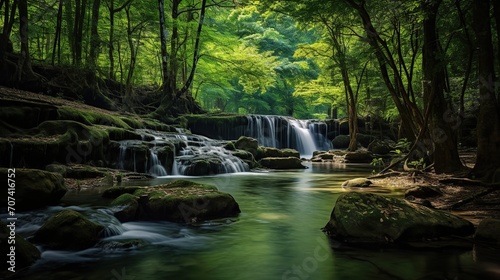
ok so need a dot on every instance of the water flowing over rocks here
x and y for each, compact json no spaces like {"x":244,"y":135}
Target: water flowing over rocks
{"x":178,"y":201}
{"x":25,"y":252}
{"x":305,"y":136}
{"x":364,"y":218}
{"x":68,"y":230}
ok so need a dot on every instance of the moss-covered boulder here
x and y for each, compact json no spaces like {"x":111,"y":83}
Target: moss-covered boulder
{"x":35,"y":188}
{"x":127,"y":207}
{"x":488,"y":230}
{"x":364,"y":139}
{"x":248,"y":144}
{"x":341,"y":142}
{"x":282,"y":163}
{"x":357,"y":183}
{"x":25,"y":252}
{"x":360,"y":156}
{"x":68,"y":230}
{"x":369,"y":218}
{"x":264,"y":152}
{"x":178,"y":201}
{"x":209,"y":164}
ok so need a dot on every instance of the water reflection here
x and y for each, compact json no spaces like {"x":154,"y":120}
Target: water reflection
{"x":277,"y":236}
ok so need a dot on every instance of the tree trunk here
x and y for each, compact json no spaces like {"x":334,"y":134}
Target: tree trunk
{"x":80,"y":8}
{"x":57,"y":40}
{"x":111,"y":49}
{"x":94,"y":37}
{"x":488,"y":125}
{"x":164,"y":54}
{"x":411,"y":119}
{"x":25,"y":72}
{"x":445,"y":154}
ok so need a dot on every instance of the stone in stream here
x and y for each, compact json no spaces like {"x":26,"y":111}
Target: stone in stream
{"x":357,"y":183}
{"x":25,"y":252}
{"x":68,"y":230}
{"x":35,"y":188}
{"x":488,"y":230}
{"x":178,"y":201}
{"x":282,"y":163}
{"x":364,"y":218}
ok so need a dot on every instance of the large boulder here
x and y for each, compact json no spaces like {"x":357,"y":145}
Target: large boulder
{"x":264,"y":152}
{"x":360,"y":156}
{"x":379,"y":147}
{"x":209,"y":164}
{"x":178,"y":201}
{"x":248,"y":144}
{"x":341,"y":142}
{"x":34,"y":188}
{"x":24,"y":254}
{"x":282,"y":163}
{"x":68,"y":230}
{"x":368,"y":218}
{"x":488,"y":230}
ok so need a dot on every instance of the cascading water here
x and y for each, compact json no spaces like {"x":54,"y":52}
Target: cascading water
{"x":155,"y":166}
{"x":306,"y":136}
{"x":183,"y":154}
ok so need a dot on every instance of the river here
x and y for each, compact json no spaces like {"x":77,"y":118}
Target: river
{"x":277,"y":236}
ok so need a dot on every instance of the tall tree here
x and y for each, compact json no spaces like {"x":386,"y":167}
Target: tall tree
{"x":445,"y":152}
{"x":488,"y":125}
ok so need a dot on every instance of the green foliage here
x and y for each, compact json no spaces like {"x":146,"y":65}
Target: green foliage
{"x":403,"y":146}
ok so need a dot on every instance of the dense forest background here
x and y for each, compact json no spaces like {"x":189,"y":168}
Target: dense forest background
{"x":428,"y":64}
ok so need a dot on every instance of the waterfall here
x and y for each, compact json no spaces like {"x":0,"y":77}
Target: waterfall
{"x":306,"y":136}
{"x":155,"y":166}
{"x":182,"y":153}
{"x":305,"y":143}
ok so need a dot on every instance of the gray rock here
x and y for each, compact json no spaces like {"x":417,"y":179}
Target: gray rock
{"x":488,"y":230}
{"x":369,"y":218}
{"x":357,"y":183}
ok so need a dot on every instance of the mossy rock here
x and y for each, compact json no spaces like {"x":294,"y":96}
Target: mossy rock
{"x":26,"y":253}
{"x":35,"y":188}
{"x":248,"y":144}
{"x":68,"y":230}
{"x":360,"y":156}
{"x":282,"y":163}
{"x":341,"y":142}
{"x":264,"y":152}
{"x":128,"y":206}
{"x":96,"y":117}
{"x":488,"y":230}
{"x":178,"y":201}
{"x":115,"y":192}
{"x":366,"y":218}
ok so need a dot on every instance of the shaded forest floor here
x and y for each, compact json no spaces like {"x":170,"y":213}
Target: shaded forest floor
{"x":470,"y":199}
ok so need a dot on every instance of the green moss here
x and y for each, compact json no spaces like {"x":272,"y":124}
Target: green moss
{"x":91,"y":117}
{"x":124,"y":199}
{"x":118,"y":191}
{"x":68,"y":230}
